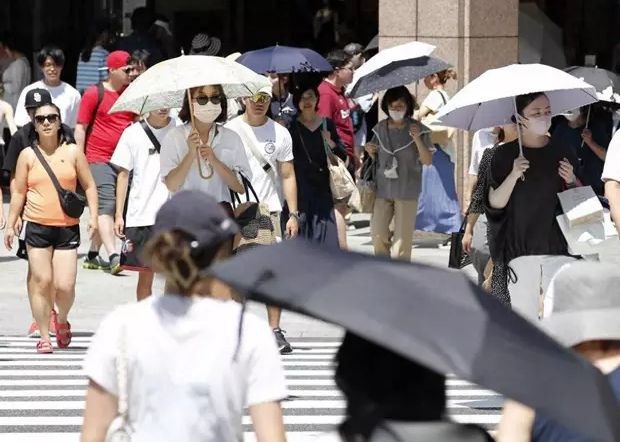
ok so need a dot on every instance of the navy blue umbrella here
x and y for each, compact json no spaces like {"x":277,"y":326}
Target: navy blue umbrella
{"x":284,"y":60}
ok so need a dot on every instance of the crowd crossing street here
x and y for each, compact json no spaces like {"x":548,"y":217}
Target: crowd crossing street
{"x":42,"y":396}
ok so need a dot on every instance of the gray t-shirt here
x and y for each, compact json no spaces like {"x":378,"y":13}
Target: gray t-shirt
{"x":397,"y":143}
{"x":15,"y":78}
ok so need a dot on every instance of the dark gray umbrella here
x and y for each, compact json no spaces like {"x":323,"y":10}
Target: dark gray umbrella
{"x":606,"y":83}
{"x":398,"y":73}
{"x":436,"y":317}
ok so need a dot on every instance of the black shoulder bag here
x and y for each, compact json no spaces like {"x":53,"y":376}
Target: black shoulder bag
{"x":71,"y":202}
{"x":151,"y":135}
{"x":458,"y":258}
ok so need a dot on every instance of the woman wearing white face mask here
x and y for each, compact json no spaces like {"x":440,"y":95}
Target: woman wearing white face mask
{"x":399,"y":147}
{"x":203,"y":155}
{"x":589,"y":143}
{"x":522,"y":211}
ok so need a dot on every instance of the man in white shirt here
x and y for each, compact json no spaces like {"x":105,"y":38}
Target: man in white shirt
{"x":137,"y":151}
{"x":269,"y":149}
{"x":51,"y":60}
{"x":611,"y":176}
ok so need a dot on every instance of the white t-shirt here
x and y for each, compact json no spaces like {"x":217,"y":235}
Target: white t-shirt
{"x":183,"y":384}
{"x":436,"y":99}
{"x":481,"y":141}
{"x":612,"y":160}
{"x":228,"y":148}
{"x":65,"y":96}
{"x":275,"y":144}
{"x":148,"y":192}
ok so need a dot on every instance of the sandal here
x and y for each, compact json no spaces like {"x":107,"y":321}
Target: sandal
{"x":63,"y":335}
{"x":44,"y":346}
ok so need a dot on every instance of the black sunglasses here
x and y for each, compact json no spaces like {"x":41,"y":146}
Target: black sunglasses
{"x":52,"y":118}
{"x":127,"y":70}
{"x":204,"y":99}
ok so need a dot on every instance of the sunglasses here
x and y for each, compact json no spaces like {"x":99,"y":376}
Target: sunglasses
{"x":127,"y":70}
{"x":204,"y":99}
{"x":260,"y":98}
{"x":52,"y":118}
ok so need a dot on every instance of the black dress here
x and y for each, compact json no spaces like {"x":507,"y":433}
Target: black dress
{"x":314,"y":197}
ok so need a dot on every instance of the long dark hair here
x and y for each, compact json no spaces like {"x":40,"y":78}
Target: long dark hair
{"x":184,"y":115}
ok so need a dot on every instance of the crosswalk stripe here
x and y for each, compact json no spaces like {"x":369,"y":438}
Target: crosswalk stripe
{"x":48,"y":392}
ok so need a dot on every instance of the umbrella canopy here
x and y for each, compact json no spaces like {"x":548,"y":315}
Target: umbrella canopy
{"x":284,"y":60}
{"x":163,"y":85}
{"x":397,"y":73}
{"x":488,"y":100}
{"x":606,"y":83}
{"x":436,"y":317}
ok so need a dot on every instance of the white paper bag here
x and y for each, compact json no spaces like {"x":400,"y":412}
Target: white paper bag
{"x":581,"y":206}
{"x":594,"y":238}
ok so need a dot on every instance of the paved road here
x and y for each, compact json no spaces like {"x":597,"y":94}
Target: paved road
{"x":42,"y":396}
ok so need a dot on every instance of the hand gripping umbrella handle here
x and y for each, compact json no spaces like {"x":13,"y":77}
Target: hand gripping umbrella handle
{"x":209,"y":173}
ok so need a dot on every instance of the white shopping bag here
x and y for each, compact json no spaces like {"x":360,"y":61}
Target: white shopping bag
{"x":581,"y":206}
{"x":594,"y":238}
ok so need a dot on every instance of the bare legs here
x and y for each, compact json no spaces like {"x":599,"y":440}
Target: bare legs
{"x":40,"y":286}
{"x":145,"y":284}
{"x":106,"y":234}
{"x":64,"y":265}
{"x":340,"y":210}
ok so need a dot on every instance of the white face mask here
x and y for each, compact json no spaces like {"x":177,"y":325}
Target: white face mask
{"x":537,"y":125}
{"x":207,"y":113}
{"x":396,"y":115}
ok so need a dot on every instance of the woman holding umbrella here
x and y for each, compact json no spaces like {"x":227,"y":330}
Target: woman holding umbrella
{"x":312,"y":136}
{"x":522,"y":204}
{"x":400,"y":146}
{"x":202,"y":154}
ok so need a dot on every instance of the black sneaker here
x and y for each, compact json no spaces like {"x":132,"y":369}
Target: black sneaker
{"x":283,"y":344}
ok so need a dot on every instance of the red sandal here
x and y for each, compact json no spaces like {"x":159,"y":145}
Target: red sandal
{"x":44,"y":346}
{"x":63,"y":335}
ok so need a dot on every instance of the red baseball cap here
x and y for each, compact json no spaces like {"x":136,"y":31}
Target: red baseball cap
{"x":118,"y":59}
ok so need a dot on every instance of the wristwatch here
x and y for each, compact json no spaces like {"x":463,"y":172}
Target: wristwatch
{"x":294,"y":215}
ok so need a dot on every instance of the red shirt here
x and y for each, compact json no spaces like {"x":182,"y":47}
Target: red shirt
{"x":333,"y":104}
{"x":107,"y":128}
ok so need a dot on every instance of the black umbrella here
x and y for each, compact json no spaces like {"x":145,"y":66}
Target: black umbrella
{"x":397,"y":73}
{"x":436,"y":317}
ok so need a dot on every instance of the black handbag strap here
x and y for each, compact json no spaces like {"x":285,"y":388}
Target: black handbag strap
{"x":247,"y":185}
{"x":47,"y":168}
{"x":151,"y":135}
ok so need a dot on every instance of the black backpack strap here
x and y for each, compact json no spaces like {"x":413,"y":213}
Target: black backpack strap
{"x":151,"y":135}
{"x":47,"y":168}
{"x":89,"y":129}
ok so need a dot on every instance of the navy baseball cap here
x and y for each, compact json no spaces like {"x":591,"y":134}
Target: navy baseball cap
{"x":197,"y":214}
{"x":37,"y":98}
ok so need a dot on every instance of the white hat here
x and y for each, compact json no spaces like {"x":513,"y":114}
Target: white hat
{"x":586,"y":303}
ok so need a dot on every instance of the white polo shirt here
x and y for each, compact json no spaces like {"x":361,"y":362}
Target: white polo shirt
{"x":65,"y":96}
{"x":135,"y":152}
{"x":612,"y":160}
{"x":275,"y":145}
{"x":227,"y":147}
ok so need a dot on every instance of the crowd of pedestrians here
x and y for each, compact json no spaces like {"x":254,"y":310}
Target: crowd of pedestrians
{"x":164,"y":188}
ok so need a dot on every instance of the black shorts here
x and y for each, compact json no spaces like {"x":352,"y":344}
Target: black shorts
{"x":56,"y":237}
{"x":131,"y":253}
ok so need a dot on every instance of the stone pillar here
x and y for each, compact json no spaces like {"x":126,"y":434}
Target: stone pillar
{"x":472,"y":35}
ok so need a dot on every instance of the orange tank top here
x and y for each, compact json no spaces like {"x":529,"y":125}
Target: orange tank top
{"x":42,"y":201}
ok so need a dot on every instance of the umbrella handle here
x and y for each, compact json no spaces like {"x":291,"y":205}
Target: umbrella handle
{"x":209,"y":174}
{"x":518,"y":123}
{"x":587,"y":122}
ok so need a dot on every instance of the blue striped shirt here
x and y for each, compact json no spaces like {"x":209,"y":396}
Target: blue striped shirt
{"x":90,"y":72}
